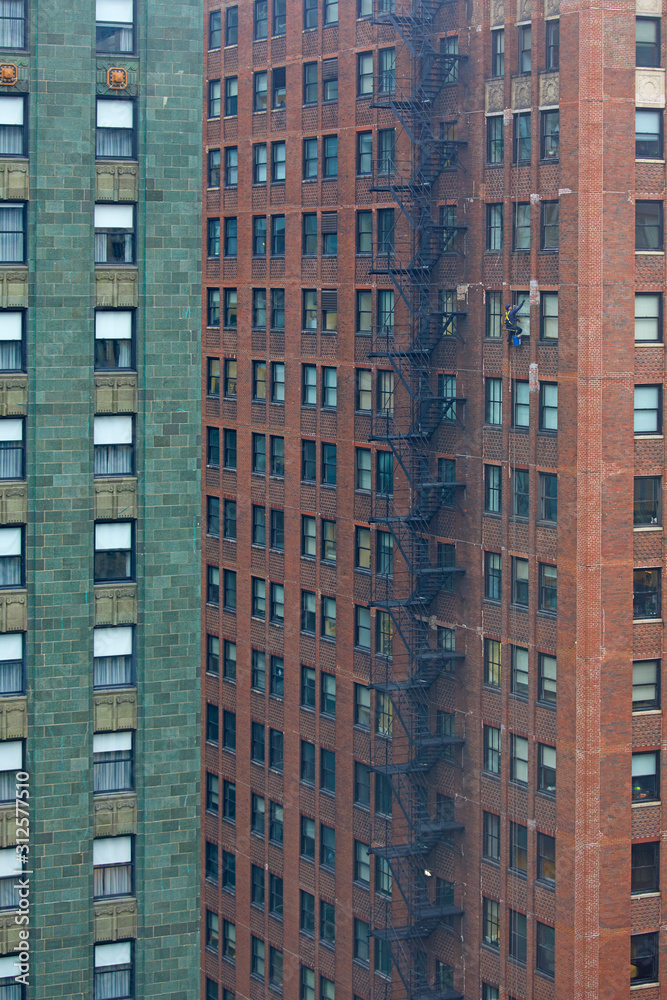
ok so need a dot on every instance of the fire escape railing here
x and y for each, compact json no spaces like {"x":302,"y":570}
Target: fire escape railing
{"x":409,"y":660}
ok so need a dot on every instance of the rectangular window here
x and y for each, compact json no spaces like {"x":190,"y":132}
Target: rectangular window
{"x":645,"y":868}
{"x":491,"y":922}
{"x":647,"y":47}
{"x":552,"y":44}
{"x":260,"y":20}
{"x":491,"y":837}
{"x":498,"y":52}
{"x":648,"y":409}
{"x":115,"y":127}
{"x":548,"y":588}
{"x":546,"y":769}
{"x":494,"y":227}
{"x":260,"y":84}
{"x":645,"y":685}
{"x":646,"y":597}
{"x":493,"y":400}
{"x":492,"y":576}
{"x":648,"y":316}
{"x":492,"y":749}
{"x":113,"y":659}
{"x":549,"y":135}
{"x":648,"y":134}
{"x":114,"y":233}
{"x":495,"y":139}
{"x":13,"y":134}
{"x":518,"y":860}
{"x":517,"y":937}
{"x":649,"y":225}
{"x":549,"y":225}
{"x":231,"y":166}
{"x":520,"y":404}
{"x":114,"y":553}
{"x":522,"y":137}
{"x":521,"y":226}
{"x":364,"y":152}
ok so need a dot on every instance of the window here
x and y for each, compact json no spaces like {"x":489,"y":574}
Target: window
{"x":552,"y":44}
{"x":546,"y":858}
{"x":277,"y":235}
{"x":494,"y":227}
{"x":330,"y":11}
{"x":260,"y":83}
{"x":114,"y":553}
{"x":306,"y":912}
{"x":114,"y":234}
{"x":495,"y":139}
{"x":362,"y":785}
{"x":645,"y":685}
{"x":364,"y":152}
{"x":212,"y":783}
{"x":232,"y":26}
{"x":115,"y":128}
{"x":114,"y":965}
{"x":549,"y":135}
{"x":386,"y":150}
{"x":329,"y":227}
{"x":492,"y":662}
{"x":387,"y":73}
{"x":330,"y":155}
{"x":647,"y":34}
{"x":257,"y":814}
{"x":549,"y":225}
{"x":517,"y":936}
{"x":546,"y":679}
{"x":519,"y":759}
{"x":648,"y":225}
{"x":327,"y":926}
{"x":112,"y":762}
{"x":13,"y":135}
{"x":645,"y":868}
{"x":491,"y":749}
{"x":498,"y":53}
{"x":521,"y":404}
{"x":257,"y":957}
{"x":522,"y":137}
{"x":278,"y":88}
{"x":213,"y":307}
{"x":648,"y":134}
{"x":518,"y":861}
{"x":260,"y":20}
{"x":362,"y":866}
{"x":491,"y":837}
{"x":520,"y":668}
{"x":231,"y":166}
{"x":307,"y":984}
{"x":546,"y":769}
{"x":491,"y":922}
{"x":522,"y":226}
{"x":362,"y":706}
{"x":524,"y":48}
{"x":648,"y":409}
{"x":492,"y":576}
{"x":493,"y":401}
{"x":330,"y":80}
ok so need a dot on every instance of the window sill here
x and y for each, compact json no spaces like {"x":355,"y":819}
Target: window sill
{"x":647,"y":527}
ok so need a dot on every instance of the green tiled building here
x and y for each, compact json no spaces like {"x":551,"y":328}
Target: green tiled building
{"x":100,"y":112}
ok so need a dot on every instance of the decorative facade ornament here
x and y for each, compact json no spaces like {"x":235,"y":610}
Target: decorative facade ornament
{"x":116,"y":78}
{"x":9,"y":74}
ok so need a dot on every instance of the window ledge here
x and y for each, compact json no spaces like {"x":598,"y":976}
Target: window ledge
{"x":643,"y":805}
{"x":648,"y":527}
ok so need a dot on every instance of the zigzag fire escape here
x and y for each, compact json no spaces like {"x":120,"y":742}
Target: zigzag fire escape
{"x":403,"y":598}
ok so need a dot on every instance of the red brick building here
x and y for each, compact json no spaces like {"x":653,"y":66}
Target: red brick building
{"x":432,"y":559}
